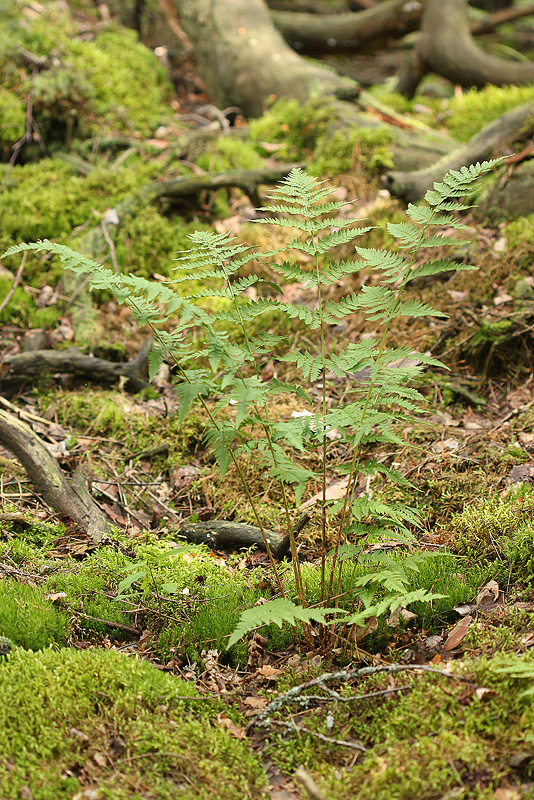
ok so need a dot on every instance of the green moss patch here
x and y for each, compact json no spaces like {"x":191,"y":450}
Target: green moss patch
{"x":303,"y":132}
{"x":438,"y":738}
{"x":478,"y":107}
{"x":28,"y":619}
{"x":108,"y":82}
{"x":96,"y":719}
{"x":500,"y":528}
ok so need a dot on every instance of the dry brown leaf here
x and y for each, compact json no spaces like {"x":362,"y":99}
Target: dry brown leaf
{"x":334,"y":492}
{"x":488,"y":596}
{"x":458,"y":633}
{"x":234,"y":730}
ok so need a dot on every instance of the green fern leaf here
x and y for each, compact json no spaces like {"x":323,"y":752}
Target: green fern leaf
{"x":279,"y":612}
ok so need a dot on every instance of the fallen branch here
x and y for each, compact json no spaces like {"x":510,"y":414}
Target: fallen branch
{"x":29,"y":366}
{"x":247,"y":180}
{"x":295,"y":694}
{"x":219,"y":534}
{"x":72,"y":499}
{"x":16,"y":282}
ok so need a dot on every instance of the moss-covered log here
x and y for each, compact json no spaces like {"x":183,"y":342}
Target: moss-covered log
{"x":234,"y":536}
{"x":247,"y":180}
{"x":24,"y":367}
{"x":493,"y":140}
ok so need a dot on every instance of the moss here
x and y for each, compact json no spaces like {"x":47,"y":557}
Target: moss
{"x":478,"y":107}
{"x":520,"y":241}
{"x":294,"y":126}
{"x":47,"y":200}
{"x":12,"y":122}
{"x":224,"y":154}
{"x":74,"y":719}
{"x":302,"y":132}
{"x":28,"y":619}
{"x":128,"y":93}
{"x":436,"y":737}
{"x":499,"y":528}
{"x":342,"y":151}
{"x":90,"y":86}
{"x":147,"y":243}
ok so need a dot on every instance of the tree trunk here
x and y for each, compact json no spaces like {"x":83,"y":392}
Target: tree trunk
{"x":244,"y":60}
{"x":446,"y":47}
{"x":232,"y":45}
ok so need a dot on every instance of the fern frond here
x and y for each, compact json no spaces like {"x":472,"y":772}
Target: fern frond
{"x":279,"y":612}
{"x":437,"y":266}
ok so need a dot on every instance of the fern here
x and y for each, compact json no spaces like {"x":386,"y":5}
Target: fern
{"x":230,"y":375}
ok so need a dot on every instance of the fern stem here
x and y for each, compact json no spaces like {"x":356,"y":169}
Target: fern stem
{"x":265,"y":425}
{"x":357,"y":449}
{"x":234,"y":460}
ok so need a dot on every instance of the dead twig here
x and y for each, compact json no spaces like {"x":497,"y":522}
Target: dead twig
{"x":16,"y":282}
{"x":296,"y":693}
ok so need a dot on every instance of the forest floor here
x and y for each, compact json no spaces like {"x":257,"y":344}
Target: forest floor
{"x":116,"y":680}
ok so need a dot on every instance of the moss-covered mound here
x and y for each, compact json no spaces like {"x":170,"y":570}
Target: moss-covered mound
{"x":75,"y":720}
{"x":85,"y":84}
{"x":28,"y":619}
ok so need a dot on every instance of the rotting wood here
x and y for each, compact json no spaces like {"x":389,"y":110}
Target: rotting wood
{"x":25,"y":367}
{"x":219,"y":534}
{"x":235,"y":536}
{"x":72,"y":499}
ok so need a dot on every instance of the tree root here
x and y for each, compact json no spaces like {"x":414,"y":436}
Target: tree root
{"x":446,"y":47}
{"x":72,"y":499}
{"x":331,"y":33}
{"x":492,"y":140}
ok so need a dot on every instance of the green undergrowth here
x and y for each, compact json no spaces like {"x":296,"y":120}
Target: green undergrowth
{"x":499,"y":529}
{"x":303,"y":132}
{"x":87,"y":85}
{"x":440,"y":738}
{"x":478,"y":107}
{"x":123,"y":724}
{"x":28,"y":619}
{"x":189,"y":600}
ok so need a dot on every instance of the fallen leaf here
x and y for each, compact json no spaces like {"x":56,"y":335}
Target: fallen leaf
{"x":359,"y":632}
{"x":458,"y":297}
{"x":395,"y":617}
{"x":488,"y":596}
{"x":334,"y":492}
{"x":100,"y":759}
{"x":499,"y":299}
{"x":458,"y":633}
{"x":53,"y":596}
{"x":464,"y":609}
{"x":506,"y":794}
{"x":269,"y":672}
{"x":234,"y":730}
{"x":446,"y":444}
{"x":482,"y":692}
{"x":255,"y":702}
